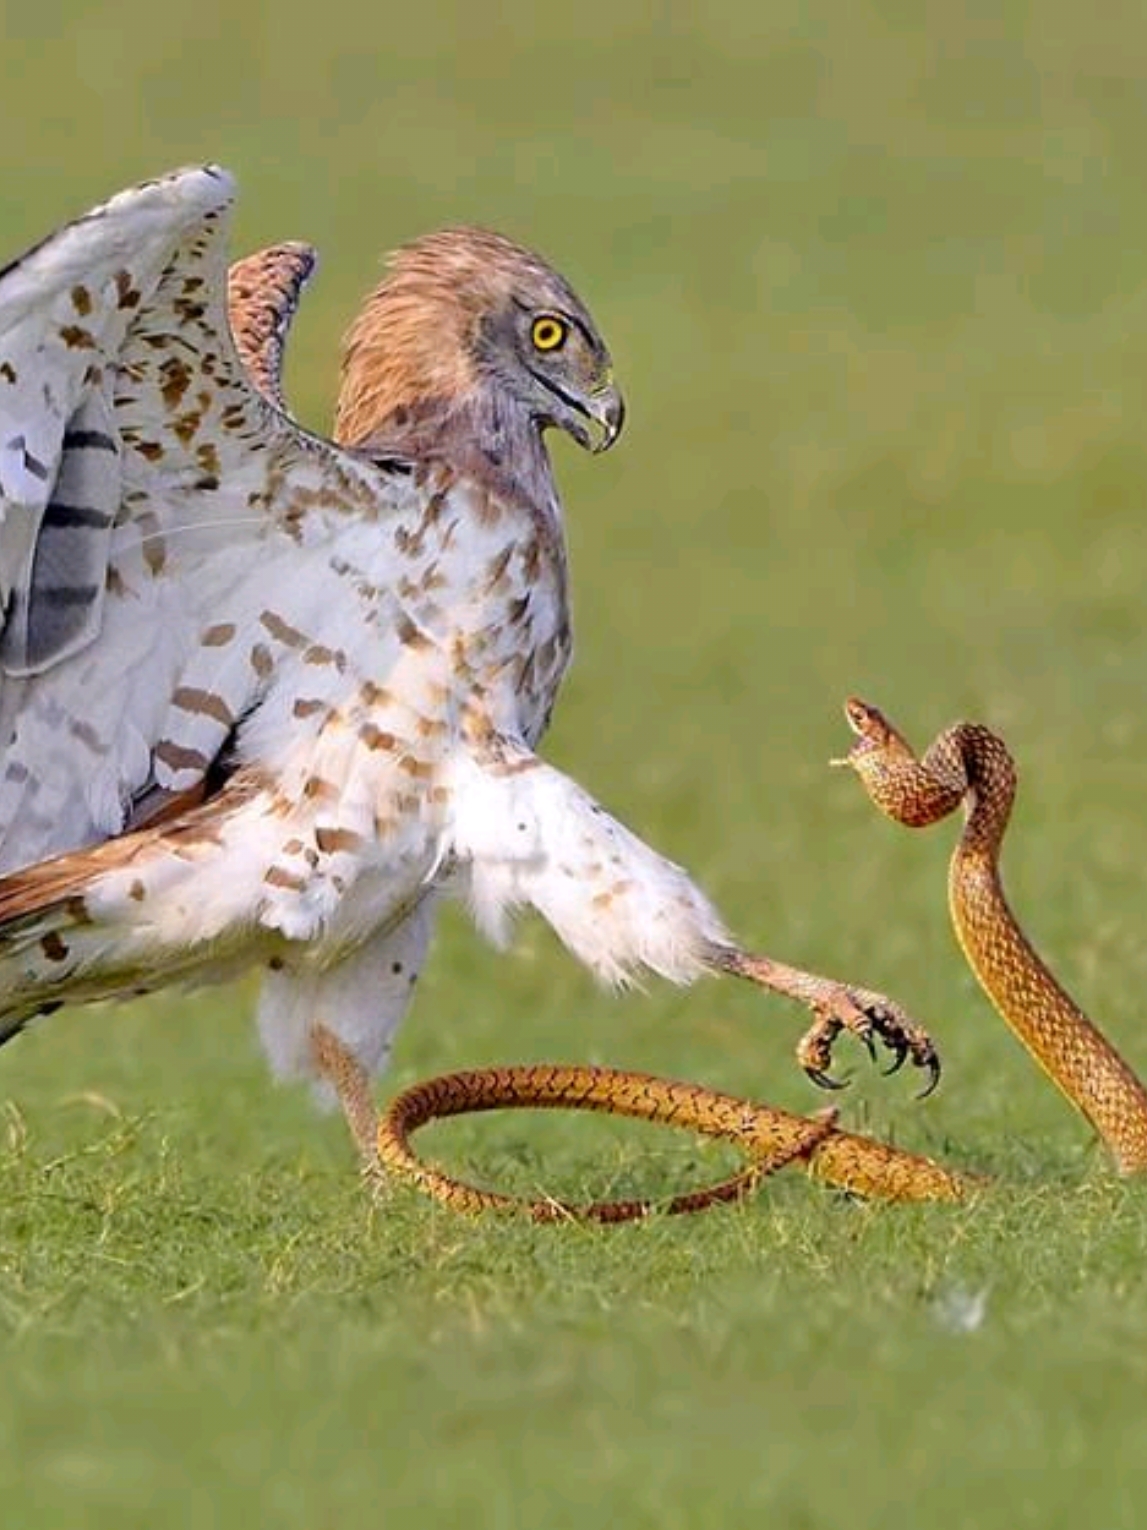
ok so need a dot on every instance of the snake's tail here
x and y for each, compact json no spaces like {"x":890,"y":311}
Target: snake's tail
{"x":877,"y":1171}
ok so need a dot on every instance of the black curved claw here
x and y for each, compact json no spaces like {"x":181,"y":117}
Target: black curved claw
{"x":825,"y":1080}
{"x":870,"y":1044}
{"x":933,"y":1066}
{"x":900,"y":1047}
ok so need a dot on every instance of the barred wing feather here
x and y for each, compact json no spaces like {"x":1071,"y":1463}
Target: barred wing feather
{"x":141,"y":476}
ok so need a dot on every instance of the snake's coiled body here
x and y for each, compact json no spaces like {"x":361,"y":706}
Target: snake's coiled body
{"x":966,"y":764}
{"x":771,"y":1138}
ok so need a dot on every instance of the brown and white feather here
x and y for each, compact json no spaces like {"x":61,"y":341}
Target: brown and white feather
{"x":263,"y":292}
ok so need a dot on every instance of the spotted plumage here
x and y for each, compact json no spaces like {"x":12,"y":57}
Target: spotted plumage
{"x":262,"y":294}
{"x":265,"y":699}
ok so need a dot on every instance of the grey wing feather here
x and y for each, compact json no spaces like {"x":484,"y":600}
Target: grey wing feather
{"x":65,"y":309}
{"x":145,"y":483}
{"x":59,"y":559}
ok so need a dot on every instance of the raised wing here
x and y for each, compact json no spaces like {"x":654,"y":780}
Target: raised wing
{"x":141,"y":476}
{"x":262,"y":296}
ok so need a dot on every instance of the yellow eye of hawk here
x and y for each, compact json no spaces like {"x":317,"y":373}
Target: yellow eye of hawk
{"x":548,"y":334}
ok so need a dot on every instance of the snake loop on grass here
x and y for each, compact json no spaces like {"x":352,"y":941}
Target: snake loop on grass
{"x":966,"y":764}
{"x":771,"y":1138}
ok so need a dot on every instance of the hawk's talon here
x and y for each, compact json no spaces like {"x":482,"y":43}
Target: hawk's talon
{"x":932,"y":1063}
{"x":900,"y":1048}
{"x":825,"y":1080}
{"x":871,"y":1019}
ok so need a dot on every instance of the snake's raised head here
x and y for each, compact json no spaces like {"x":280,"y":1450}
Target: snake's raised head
{"x":879,"y":756}
{"x":874,"y":734}
{"x":868,"y":723}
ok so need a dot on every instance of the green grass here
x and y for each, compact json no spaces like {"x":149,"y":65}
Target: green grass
{"x":874,"y":280}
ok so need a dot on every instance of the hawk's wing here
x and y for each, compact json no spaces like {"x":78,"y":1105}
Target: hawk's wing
{"x":141,"y":474}
{"x":263,"y":293}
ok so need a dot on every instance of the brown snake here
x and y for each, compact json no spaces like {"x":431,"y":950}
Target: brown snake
{"x":965,"y":764}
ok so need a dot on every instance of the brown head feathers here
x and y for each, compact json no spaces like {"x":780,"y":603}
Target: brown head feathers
{"x":415,"y":346}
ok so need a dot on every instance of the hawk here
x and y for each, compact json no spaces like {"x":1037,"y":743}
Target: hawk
{"x":265,"y":699}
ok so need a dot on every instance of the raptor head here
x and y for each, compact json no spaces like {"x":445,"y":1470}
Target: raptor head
{"x":466,"y":315}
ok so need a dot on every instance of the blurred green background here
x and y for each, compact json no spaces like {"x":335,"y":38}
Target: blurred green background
{"x":873,"y":276}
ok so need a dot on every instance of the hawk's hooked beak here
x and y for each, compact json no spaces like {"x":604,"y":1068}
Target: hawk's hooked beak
{"x":607,"y":408}
{"x":603,"y":406}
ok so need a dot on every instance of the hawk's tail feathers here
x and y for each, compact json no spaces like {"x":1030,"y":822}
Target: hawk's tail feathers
{"x":47,"y":940}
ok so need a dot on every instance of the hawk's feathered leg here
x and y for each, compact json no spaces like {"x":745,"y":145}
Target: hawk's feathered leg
{"x":342,"y":1019}
{"x":526,"y":835}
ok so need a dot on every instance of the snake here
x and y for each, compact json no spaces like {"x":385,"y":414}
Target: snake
{"x":966,"y":764}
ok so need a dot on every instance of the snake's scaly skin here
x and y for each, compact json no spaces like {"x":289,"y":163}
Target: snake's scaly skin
{"x":969,"y":764}
{"x":966,"y":764}
{"x":772,"y":1139}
